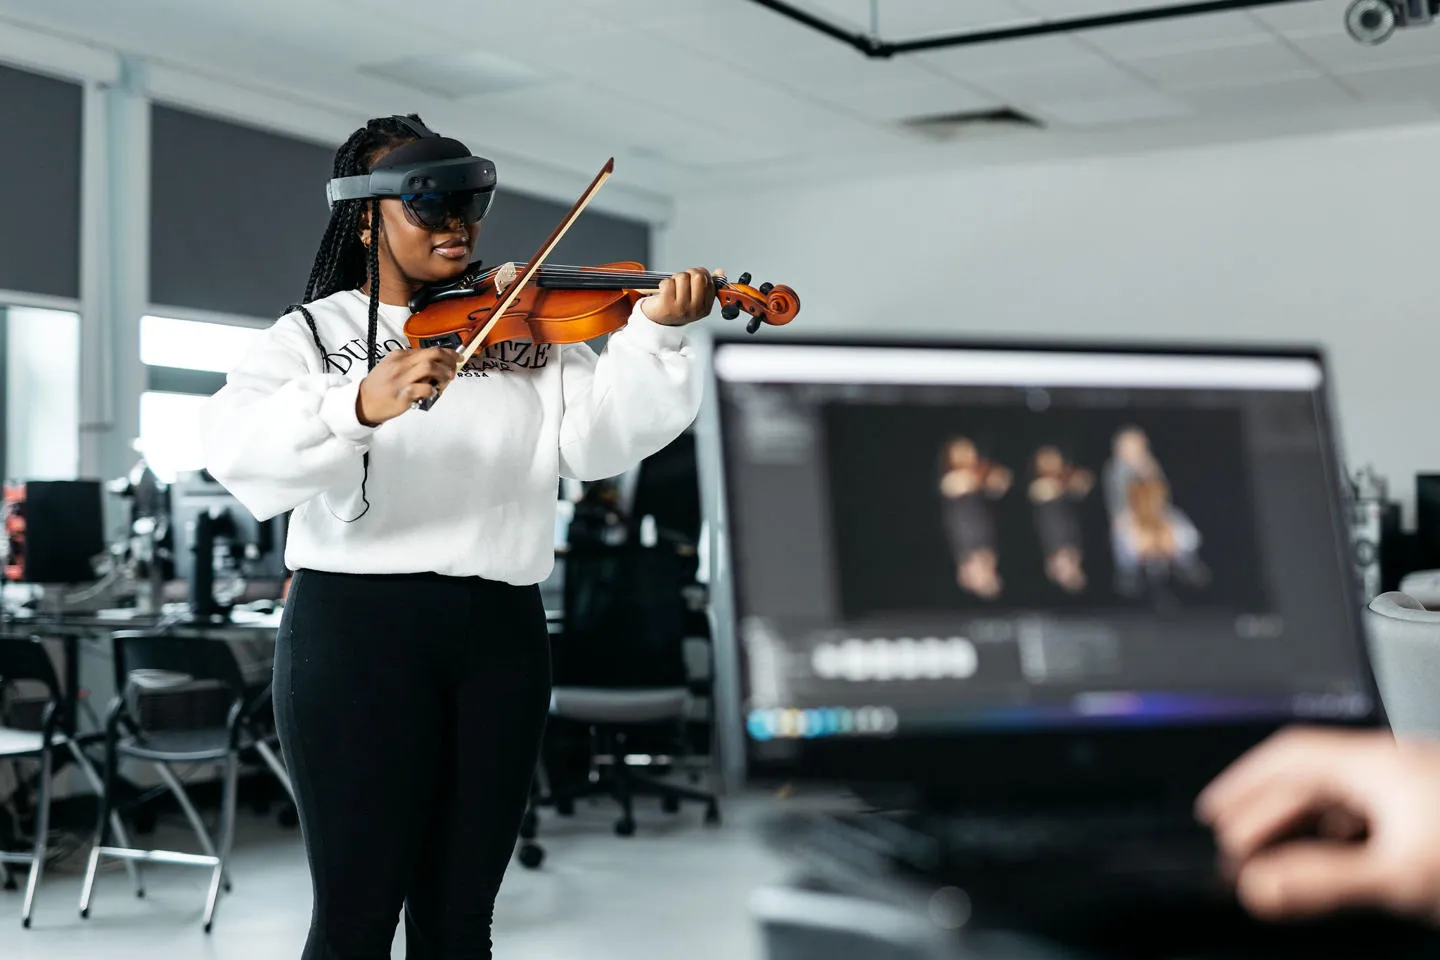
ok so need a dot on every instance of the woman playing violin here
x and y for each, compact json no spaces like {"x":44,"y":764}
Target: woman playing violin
{"x":412,"y":667}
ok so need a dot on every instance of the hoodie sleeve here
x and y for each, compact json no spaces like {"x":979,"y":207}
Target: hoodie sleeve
{"x":636,"y":396}
{"x":278,"y":433}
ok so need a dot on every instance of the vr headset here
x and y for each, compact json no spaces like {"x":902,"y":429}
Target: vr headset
{"x":436,"y":178}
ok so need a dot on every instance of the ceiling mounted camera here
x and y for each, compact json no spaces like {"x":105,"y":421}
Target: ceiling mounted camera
{"x":1373,"y":21}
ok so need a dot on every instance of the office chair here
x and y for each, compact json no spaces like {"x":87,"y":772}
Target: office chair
{"x":619,"y":671}
{"x":24,"y":661}
{"x":1405,"y":649}
{"x":149,"y":670}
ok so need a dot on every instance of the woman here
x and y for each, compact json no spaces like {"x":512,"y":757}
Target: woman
{"x":966,"y":481}
{"x":1056,"y":487}
{"x":412,"y":666}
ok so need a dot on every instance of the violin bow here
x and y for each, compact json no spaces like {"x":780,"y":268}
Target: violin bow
{"x":533,"y":266}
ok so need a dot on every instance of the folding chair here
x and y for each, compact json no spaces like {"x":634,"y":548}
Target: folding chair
{"x":150,"y":669}
{"x":24,"y":661}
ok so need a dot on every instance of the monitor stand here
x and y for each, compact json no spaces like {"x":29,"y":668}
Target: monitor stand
{"x":203,"y":606}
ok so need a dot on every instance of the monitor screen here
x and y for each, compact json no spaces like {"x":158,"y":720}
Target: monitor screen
{"x":928,"y":542}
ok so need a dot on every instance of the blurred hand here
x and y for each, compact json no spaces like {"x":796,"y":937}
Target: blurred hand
{"x":1313,"y":821}
{"x":683,"y":298}
{"x":400,"y":377}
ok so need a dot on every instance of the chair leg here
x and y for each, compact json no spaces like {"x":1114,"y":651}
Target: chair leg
{"x":172,"y":782}
{"x":107,"y":802}
{"x":42,"y":835}
{"x":121,"y":836}
{"x":622,"y":787}
{"x":227,"y":836}
{"x":276,"y":767}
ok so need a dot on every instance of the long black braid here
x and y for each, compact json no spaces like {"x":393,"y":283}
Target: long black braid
{"x":343,"y":262}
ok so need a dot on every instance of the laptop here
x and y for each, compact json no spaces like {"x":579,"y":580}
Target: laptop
{"x":1028,"y":599}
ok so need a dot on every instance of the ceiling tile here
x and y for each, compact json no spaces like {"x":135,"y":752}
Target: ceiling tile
{"x":1256,"y":61}
{"x":1259,"y":99}
{"x":1179,"y":35}
{"x":888,"y":102}
{"x":1011,"y":56}
{"x":1068,"y":83}
{"x":1394,"y":84}
{"x":1335,"y":49}
{"x":1068,"y":9}
{"x":1305,"y":16}
{"x":1131,"y":107}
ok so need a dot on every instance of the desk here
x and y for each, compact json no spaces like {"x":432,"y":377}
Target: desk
{"x":88,"y":673}
{"x":811,"y":919}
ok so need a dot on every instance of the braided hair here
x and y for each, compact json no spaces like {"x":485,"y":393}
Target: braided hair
{"x":343,"y":262}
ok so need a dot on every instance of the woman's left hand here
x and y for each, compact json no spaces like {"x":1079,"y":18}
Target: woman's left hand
{"x":683,"y":298}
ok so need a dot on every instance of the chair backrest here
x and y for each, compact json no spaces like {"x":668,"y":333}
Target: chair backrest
{"x":1404,"y":642}
{"x":174,"y":682}
{"x":27,"y":681}
{"x":624,"y":618}
{"x":26,"y":659}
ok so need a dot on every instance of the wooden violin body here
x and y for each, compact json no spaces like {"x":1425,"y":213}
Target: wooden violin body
{"x":565,"y":304}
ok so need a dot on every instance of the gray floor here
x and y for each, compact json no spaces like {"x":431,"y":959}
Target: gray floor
{"x":675,"y":889}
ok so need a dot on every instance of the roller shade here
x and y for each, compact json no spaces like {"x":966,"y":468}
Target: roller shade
{"x":237,"y":215}
{"x":40,"y":173}
{"x":519,"y":223}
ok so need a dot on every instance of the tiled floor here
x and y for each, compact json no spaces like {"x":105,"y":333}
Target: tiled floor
{"x":676,"y":889}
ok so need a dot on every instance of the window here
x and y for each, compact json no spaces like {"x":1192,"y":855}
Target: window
{"x":186,"y":362}
{"x":193,"y":345}
{"x":170,"y":432}
{"x":41,"y":367}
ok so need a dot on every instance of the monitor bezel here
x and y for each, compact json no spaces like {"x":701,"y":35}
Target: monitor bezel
{"x":982,"y":767}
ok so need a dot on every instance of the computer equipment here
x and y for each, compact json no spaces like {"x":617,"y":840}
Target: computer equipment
{"x":1033,"y":579}
{"x":667,"y":488}
{"x":215,"y":538}
{"x":53,"y":531}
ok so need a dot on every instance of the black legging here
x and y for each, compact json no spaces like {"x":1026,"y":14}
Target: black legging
{"x":410,"y":710}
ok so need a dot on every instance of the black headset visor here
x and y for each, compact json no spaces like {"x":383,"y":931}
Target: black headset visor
{"x":456,"y":175}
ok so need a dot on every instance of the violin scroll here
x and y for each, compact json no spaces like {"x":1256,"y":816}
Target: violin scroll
{"x":775,"y":304}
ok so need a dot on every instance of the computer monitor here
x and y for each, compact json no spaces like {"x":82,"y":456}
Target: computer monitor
{"x":1010,"y":566}
{"x":242,"y":545}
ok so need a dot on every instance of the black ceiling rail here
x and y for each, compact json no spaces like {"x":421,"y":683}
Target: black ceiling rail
{"x":877,"y":48}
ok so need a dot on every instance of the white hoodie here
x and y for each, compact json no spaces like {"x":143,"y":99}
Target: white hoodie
{"x":467,"y":488}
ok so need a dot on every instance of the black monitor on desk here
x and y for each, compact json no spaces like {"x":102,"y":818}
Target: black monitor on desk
{"x":215,"y":537}
{"x":990,"y":570}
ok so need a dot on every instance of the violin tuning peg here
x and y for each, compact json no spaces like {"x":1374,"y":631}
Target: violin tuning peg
{"x":730,"y":311}
{"x":765,"y":289}
{"x":744,"y":279}
{"x":753,"y":325}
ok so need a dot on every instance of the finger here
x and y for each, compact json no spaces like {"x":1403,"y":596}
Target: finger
{"x":699,"y":279}
{"x":1244,"y":828}
{"x":420,"y":391}
{"x":1304,"y":879}
{"x":442,"y":373}
{"x":1313,"y":756}
{"x":704,"y":292}
{"x":684,"y":292}
{"x":711,"y":287}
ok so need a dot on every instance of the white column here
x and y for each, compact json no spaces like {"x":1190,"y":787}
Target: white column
{"x":114,"y":375}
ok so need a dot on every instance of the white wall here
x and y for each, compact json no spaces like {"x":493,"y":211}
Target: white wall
{"x":1333,"y":240}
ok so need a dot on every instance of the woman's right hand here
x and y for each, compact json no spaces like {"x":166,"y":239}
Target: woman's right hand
{"x":1370,"y":836}
{"x":402,"y":377}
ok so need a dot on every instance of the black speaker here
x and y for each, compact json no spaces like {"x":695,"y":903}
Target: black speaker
{"x":54,"y":530}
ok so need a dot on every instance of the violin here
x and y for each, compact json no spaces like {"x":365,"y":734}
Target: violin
{"x":569,"y":304}
{"x":545,"y":303}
